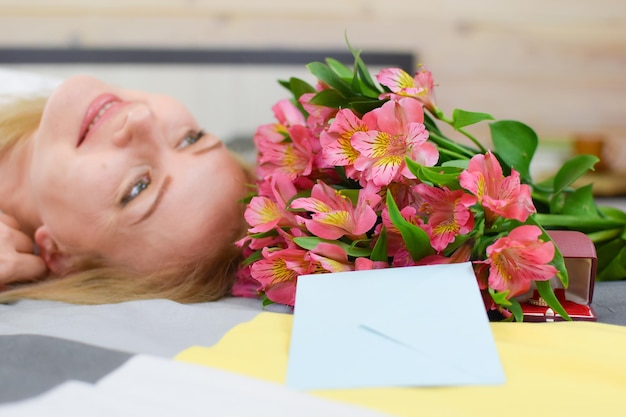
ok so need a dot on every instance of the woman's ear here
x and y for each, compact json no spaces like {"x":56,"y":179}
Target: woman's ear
{"x":57,"y":260}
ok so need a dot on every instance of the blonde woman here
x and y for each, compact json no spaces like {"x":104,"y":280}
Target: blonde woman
{"x":109,"y":194}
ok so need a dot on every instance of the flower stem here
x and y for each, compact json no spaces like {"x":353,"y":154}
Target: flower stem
{"x":443,"y":142}
{"x":452,"y":154}
{"x":473,"y":139}
{"x":439,"y":115}
{"x":605,"y":235}
{"x":577,"y":222}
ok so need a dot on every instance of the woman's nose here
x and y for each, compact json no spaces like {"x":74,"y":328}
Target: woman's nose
{"x":138,"y":126}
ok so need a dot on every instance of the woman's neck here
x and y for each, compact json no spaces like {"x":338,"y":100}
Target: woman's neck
{"x":15,"y":197}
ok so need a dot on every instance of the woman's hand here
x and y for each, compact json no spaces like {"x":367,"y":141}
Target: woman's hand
{"x":17,"y":260}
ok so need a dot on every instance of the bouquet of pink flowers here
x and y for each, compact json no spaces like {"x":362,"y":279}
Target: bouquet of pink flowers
{"x":355,"y":174}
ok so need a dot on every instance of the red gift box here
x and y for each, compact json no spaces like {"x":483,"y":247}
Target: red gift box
{"x":581,"y":260}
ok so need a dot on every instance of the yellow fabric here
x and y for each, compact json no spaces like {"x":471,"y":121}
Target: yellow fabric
{"x":552,"y":369}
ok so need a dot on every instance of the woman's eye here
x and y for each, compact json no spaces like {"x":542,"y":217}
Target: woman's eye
{"x":135,"y":189}
{"x":190,"y":138}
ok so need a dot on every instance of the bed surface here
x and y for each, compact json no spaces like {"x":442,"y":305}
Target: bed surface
{"x":52,"y":350}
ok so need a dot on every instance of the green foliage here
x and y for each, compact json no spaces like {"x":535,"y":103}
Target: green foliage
{"x":572,"y":170}
{"x":416,"y":240}
{"x":325,"y":74}
{"x":580,"y":202}
{"x":311,"y":242}
{"x":515,"y":143}
{"x":546,"y":292}
{"x":446,"y":176}
{"x":463,"y":118}
{"x":379,"y":253}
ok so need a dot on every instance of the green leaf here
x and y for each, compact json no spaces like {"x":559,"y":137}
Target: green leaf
{"x":252,"y":258}
{"x":379,"y":253}
{"x":261,"y":235}
{"x":443,"y":176}
{"x":607,"y":252}
{"x":299,"y":87}
{"x":339,"y":68}
{"x":328,"y":76}
{"x":330,"y":98}
{"x":266,"y":301}
{"x":457,"y":163}
{"x":612,"y":212}
{"x":515,"y":143}
{"x":311,"y":242}
{"x":369,"y":87}
{"x":516,"y":309}
{"x":415,"y":239}
{"x":500,"y":298}
{"x":547,"y":293}
{"x":557,"y":202}
{"x":462,"y":118}
{"x":366,"y":88}
{"x":581,"y":202}
{"x":615,"y":269}
{"x":572,"y":170}
{"x":361,"y":106}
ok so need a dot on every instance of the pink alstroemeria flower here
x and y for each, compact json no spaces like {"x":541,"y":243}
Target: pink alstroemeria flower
{"x":337,"y":149}
{"x":499,"y":195}
{"x":396,"y":132}
{"x":402,"y":258}
{"x":265,"y":213}
{"x":318,"y":115}
{"x":447,"y":214}
{"x":460,"y":255}
{"x":366,"y":264}
{"x":245,"y":285}
{"x":518,"y":259}
{"x":278,"y":273}
{"x":421,"y":86}
{"x":287,"y":114}
{"x":334,"y":215}
{"x":328,"y":257}
{"x":293,"y":158}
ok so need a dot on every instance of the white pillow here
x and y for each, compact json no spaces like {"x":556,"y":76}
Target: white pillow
{"x":17,"y":83}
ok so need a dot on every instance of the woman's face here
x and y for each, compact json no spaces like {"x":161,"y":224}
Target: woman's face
{"x":128,"y":176}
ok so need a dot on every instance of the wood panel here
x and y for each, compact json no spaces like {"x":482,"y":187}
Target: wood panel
{"x":557,"y":65}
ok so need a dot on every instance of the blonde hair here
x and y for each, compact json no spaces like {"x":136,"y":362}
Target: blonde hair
{"x":94,"y":282}
{"x":19,"y":118}
{"x":206,"y":280}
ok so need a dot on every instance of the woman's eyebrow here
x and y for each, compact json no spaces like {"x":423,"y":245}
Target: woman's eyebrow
{"x":164,"y":186}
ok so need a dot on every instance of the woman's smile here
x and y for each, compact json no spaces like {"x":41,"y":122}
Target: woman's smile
{"x":100,"y":109}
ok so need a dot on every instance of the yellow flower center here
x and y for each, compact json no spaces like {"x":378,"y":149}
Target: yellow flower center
{"x":337,"y":218}
{"x":281,"y":273}
{"x":405,"y":80}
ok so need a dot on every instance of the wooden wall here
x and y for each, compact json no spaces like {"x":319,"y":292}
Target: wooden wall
{"x":558,"y":65}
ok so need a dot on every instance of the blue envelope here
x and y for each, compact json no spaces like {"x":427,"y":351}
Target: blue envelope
{"x":413,"y":326}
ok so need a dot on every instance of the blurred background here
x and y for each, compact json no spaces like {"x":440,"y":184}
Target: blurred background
{"x":557,"y":65}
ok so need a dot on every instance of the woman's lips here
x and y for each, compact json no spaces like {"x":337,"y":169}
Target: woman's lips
{"x":97,"y":111}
